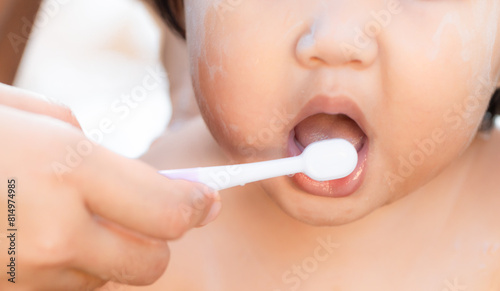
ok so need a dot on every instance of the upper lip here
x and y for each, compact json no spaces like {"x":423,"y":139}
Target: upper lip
{"x":340,"y":104}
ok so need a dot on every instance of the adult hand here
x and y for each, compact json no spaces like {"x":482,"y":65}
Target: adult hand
{"x":84,"y":215}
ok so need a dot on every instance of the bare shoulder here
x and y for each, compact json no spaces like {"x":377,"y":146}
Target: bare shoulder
{"x":192,"y":145}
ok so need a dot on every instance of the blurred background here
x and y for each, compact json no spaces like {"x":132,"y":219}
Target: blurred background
{"x":101,"y":58}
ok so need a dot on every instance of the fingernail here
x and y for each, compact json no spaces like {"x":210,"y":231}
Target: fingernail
{"x":208,"y":192}
{"x":213,"y":213}
{"x":51,"y":100}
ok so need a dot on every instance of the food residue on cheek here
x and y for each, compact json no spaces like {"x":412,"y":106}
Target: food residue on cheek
{"x":477,"y":34}
{"x":485,"y":15}
{"x":474,"y":31}
{"x":202,"y":29}
{"x":451,"y":19}
{"x":205,"y":65}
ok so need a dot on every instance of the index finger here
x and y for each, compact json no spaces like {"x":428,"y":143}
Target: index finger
{"x":132,"y":194}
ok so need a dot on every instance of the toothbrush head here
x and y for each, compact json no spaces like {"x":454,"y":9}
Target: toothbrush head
{"x":329,"y":159}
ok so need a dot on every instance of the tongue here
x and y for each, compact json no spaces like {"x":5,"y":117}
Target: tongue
{"x":324,"y":126}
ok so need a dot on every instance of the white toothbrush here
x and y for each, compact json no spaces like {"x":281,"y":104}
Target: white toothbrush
{"x":322,"y":161}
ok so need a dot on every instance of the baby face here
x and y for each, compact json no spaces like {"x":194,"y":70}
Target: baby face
{"x":406,"y":81}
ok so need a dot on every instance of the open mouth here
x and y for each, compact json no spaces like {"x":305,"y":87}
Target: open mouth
{"x":326,"y":126}
{"x":321,"y":126}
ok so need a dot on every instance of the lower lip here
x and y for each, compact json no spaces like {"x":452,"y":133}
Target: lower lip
{"x":334,"y":188}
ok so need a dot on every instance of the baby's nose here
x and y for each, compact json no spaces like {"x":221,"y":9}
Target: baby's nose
{"x":342,"y":33}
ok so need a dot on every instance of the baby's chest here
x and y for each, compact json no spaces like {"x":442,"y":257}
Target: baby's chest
{"x":473,"y":265}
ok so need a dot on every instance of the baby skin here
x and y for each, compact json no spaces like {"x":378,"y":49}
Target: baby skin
{"x":406,"y":82}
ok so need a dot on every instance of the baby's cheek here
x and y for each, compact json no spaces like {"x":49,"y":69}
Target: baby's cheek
{"x":246,"y":127}
{"x":245,"y":114}
{"x":422,"y":152}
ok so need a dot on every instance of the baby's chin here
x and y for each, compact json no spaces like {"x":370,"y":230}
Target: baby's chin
{"x":318,"y":210}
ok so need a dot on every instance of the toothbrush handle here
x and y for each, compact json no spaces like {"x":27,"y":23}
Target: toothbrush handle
{"x":223,"y":177}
